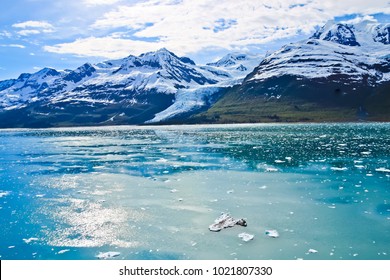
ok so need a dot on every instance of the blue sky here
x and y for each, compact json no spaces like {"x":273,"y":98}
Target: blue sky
{"x":66,"y":33}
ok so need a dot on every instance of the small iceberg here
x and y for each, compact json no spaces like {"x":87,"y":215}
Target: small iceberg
{"x":272,"y":233}
{"x":382,"y":169}
{"x":339,"y":168}
{"x":29,"y":240}
{"x":271,"y":169}
{"x":225,"y":221}
{"x":246,"y":236}
{"x":312,"y":251}
{"x":2,"y":194}
{"x":63,"y":251}
{"x":107,"y":255}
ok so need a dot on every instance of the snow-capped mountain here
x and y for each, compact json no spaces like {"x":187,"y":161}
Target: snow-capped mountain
{"x":342,"y":72}
{"x":129,"y":90}
{"x":359,"y":52}
{"x":233,"y":68}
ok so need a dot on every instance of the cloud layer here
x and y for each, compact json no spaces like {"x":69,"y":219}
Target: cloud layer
{"x":187,"y":26}
{"x":33,"y":27}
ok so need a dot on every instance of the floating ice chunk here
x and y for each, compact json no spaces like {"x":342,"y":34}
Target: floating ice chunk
{"x":62,"y":251}
{"x":107,"y":255}
{"x":312,"y":251}
{"x":2,"y":194}
{"x":272,"y":233}
{"x":263,"y":187}
{"x":360,"y":166}
{"x":40,"y":195}
{"x":339,"y":168}
{"x":225,"y":221}
{"x":173,"y":190}
{"x":271,"y":169}
{"x":29,"y":240}
{"x":246,"y":236}
{"x":288,"y":158}
{"x":279,"y":161}
{"x":382,"y":169}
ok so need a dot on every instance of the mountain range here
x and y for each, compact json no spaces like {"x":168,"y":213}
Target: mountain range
{"x":340,"y":73}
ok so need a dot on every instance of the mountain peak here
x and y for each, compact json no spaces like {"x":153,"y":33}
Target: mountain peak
{"x":357,"y":32}
{"x":338,"y":33}
{"x":229,"y":60}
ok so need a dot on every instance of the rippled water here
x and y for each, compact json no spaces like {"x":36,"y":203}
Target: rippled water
{"x":152,"y":192}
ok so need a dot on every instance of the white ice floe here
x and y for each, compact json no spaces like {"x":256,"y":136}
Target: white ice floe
{"x":2,"y":194}
{"x":382,"y":169}
{"x":271,"y":169}
{"x":107,"y":255}
{"x":63,"y":251}
{"x":360,"y":166}
{"x":339,"y":168}
{"x":272,"y":233}
{"x":225,"y":221}
{"x":246,"y":236}
{"x":312,"y":251}
{"x":29,"y":240}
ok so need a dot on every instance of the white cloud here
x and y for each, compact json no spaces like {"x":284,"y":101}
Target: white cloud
{"x":33,"y":24}
{"x":189,"y":26}
{"x":27,"y":32}
{"x":108,"y":47}
{"x":33,"y":27}
{"x":13,"y":46}
{"x":5,"y":34}
{"x":100,"y":2}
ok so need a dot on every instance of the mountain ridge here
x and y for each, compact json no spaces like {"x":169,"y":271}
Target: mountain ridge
{"x":340,"y":73}
{"x":138,"y":87}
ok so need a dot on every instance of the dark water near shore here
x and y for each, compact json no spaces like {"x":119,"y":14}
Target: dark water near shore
{"x":152,"y":192}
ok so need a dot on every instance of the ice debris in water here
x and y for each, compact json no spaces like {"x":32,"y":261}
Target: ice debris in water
{"x":225,"y":221}
{"x":271,"y":169}
{"x":107,"y":255}
{"x":312,"y":251}
{"x":63,"y":251}
{"x":29,"y":240}
{"x":246,"y":236}
{"x":2,"y":194}
{"x":272,"y":233}
{"x":339,"y":168}
{"x":382,"y":169}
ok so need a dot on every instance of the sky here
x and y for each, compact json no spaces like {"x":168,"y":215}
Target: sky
{"x":64,"y":34}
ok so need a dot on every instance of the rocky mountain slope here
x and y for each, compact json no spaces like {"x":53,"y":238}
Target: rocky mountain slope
{"x":341,"y":73}
{"x":125,"y":91}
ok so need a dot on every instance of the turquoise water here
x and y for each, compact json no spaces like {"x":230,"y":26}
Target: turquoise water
{"x":152,"y":192}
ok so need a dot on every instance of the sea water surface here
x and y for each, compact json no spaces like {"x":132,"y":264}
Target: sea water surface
{"x":152,"y":192}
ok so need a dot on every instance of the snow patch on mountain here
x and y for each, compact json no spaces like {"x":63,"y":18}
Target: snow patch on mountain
{"x":186,"y":100}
